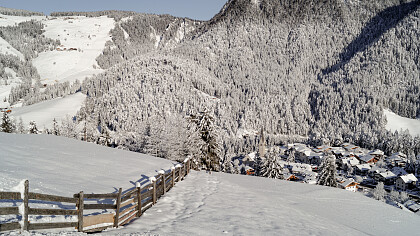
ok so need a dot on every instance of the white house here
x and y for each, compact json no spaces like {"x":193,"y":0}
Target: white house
{"x":406,"y":182}
{"x":349,"y":185}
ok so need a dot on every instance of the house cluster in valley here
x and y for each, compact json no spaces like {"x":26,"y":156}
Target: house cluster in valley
{"x":358,"y":169}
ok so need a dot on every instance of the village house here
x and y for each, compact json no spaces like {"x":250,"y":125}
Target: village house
{"x":397,"y":159}
{"x":352,"y":161}
{"x":376,"y":170}
{"x":349,"y":185}
{"x":378,"y":154}
{"x":362,"y":169}
{"x":388,"y":178}
{"x":249,"y":159}
{"x":412,"y":206}
{"x":368,"y":159}
{"x":290,"y":177}
{"x":405,"y":182}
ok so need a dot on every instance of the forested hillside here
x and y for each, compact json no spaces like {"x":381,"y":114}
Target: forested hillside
{"x":317,"y":71}
{"x":322,"y":71}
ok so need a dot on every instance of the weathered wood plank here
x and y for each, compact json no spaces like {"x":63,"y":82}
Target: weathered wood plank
{"x":80,"y":209}
{"x":128,"y":195}
{"x":99,"y":206}
{"x":9,"y":226}
{"x":126,"y":203}
{"x":146,"y":188}
{"x":129,"y":218}
{"x":98,"y":196}
{"x":52,"y":198}
{"x":52,"y":225}
{"x":99,"y":229}
{"x":150,"y":200}
{"x":125,"y":211}
{"x":46,"y":212}
{"x":147,"y":207}
{"x":117,"y":211}
{"x":98,"y":219}
{"x":9,"y":211}
{"x":10,"y":196}
{"x":146,"y":195}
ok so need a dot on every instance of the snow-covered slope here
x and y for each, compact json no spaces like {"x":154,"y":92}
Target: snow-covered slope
{"x":43,"y":113}
{"x":223,"y":204}
{"x":6,"y":48}
{"x":8,"y":20}
{"x":397,"y":123}
{"x":82,"y":40}
{"x":63,"y":166}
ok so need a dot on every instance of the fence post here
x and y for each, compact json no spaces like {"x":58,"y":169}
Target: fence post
{"x":26,"y":206}
{"x":138,"y":199}
{"x":117,"y":211}
{"x":154,"y":191}
{"x":179,"y":176}
{"x":173,"y":176}
{"x":164,"y":183}
{"x":80,"y":207}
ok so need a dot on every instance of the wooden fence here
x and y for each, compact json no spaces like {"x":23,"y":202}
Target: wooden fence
{"x":126,"y":206}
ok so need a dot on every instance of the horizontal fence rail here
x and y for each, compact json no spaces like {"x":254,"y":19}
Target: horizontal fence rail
{"x":127,"y":205}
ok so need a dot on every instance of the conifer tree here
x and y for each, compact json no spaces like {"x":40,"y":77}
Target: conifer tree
{"x":208,"y":133}
{"x":33,"y":129}
{"x":379,"y":192}
{"x":327,"y":176}
{"x":258,"y":164}
{"x":7,"y":124}
{"x":271,"y":167}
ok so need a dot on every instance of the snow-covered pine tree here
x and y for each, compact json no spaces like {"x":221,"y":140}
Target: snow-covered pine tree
{"x":291,"y":157}
{"x":56,"y":130}
{"x":21,"y":127}
{"x":411,"y":164}
{"x":258,"y":164}
{"x":7,"y":124}
{"x":33,"y":129}
{"x":379,"y":192}
{"x":210,"y":149}
{"x":228,"y":166}
{"x":271,"y":167}
{"x":327,"y":176}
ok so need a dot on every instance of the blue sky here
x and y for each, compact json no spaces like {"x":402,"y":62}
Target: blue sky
{"x":195,"y":9}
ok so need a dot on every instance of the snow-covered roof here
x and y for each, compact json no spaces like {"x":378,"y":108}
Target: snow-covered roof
{"x":347,"y":183}
{"x":249,"y":157}
{"x":399,"y":154}
{"x":377,"y":169}
{"x":408,"y":178}
{"x":299,"y":167}
{"x":366,"y":158}
{"x":388,"y":175}
{"x":413,"y":206}
{"x":376,"y":152}
{"x":399,"y":171}
{"x":363,"y":167}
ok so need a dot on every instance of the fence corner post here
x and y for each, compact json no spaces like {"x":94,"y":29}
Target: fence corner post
{"x":26,"y":206}
{"x":80,"y":207}
{"x":117,"y":210}
{"x":138,"y":199}
{"x":164,"y":183}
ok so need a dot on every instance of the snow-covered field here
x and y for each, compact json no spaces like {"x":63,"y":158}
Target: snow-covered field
{"x":6,"y":20}
{"x":43,"y":113}
{"x":203,"y":204}
{"x":87,"y":35}
{"x":58,"y":165}
{"x":223,"y":204}
{"x":396,"y":123}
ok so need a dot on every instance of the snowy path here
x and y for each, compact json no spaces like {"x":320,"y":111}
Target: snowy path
{"x":221,"y":204}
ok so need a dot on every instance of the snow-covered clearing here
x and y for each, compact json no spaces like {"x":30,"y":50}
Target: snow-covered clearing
{"x":6,"y":88}
{"x":396,"y":123}
{"x":58,"y":165}
{"x":82,"y":41}
{"x":6,"y":20}
{"x":6,"y":48}
{"x":223,"y":204}
{"x":43,"y":113}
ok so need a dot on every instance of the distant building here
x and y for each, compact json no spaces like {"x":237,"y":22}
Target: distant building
{"x":349,"y":185}
{"x":405,"y":182}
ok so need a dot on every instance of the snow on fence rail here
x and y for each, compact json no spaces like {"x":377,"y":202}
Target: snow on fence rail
{"x":128,"y":206}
